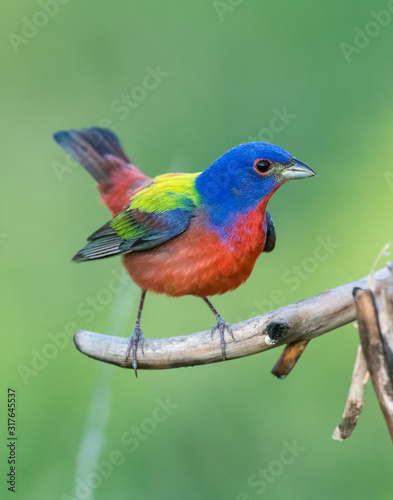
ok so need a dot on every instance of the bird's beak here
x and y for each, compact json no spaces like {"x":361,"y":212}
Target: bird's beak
{"x":297,"y":170}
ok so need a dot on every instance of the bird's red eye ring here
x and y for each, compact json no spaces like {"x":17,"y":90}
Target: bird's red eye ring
{"x":262,"y":166}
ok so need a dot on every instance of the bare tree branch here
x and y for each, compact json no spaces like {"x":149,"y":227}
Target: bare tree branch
{"x":300,"y":321}
{"x":289,"y":357}
{"x":386,"y":324}
{"x":355,"y":401}
{"x":374,"y":353}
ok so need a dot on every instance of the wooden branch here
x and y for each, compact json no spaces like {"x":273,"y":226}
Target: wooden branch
{"x":374,"y":353}
{"x":355,"y":401}
{"x":386,"y":324}
{"x":289,"y":357}
{"x":299,"y":321}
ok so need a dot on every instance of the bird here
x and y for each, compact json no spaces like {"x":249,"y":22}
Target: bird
{"x":180,"y":234}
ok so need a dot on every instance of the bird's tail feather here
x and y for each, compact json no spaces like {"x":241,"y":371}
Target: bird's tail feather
{"x":99,"y":151}
{"x":94,"y":149}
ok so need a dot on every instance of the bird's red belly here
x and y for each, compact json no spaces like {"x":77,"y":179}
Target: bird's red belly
{"x":198,"y":262}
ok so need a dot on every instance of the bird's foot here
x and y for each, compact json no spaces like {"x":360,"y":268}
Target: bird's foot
{"x":136,"y":339}
{"x":220,"y":327}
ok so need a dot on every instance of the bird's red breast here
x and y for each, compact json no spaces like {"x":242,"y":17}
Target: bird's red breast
{"x":198,"y":262}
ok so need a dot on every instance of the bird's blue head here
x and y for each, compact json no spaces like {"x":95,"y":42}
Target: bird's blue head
{"x":245,"y":175}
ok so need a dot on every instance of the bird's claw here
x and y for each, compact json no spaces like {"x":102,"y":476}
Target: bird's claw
{"x":220,"y":327}
{"x":136,"y":339}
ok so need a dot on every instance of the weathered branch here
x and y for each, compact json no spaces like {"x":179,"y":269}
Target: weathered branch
{"x":375,"y":353}
{"x":289,"y":357}
{"x":355,"y":401}
{"x":300,"y":321}
{"x":386,"y":324}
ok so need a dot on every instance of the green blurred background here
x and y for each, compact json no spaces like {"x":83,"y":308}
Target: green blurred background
{"x":230,"y":67}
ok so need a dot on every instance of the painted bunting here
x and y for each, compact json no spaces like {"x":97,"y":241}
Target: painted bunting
{"x":183,"y":234}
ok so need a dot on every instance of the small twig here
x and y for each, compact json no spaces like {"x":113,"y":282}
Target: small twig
{"x":306,"y":320}
{"x":386,"y":324}
{"x":354,"y":404}
{"x":371,"y":276}
{"x":374,"y":353}
{"x":355,"y":401}
{"x":289,"y":357}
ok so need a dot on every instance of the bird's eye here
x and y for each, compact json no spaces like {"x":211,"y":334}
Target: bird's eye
{"x":262,"y":166}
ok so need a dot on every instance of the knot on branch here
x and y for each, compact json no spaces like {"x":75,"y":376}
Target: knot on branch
{"x":276,"y":331}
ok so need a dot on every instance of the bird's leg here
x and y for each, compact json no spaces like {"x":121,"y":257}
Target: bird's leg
{"x":137,"y":336}
{"x":221,"y":326}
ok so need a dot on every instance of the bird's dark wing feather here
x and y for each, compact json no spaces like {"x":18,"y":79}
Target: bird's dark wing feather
{"x":131,"y":230}
{"x":270,"y":242}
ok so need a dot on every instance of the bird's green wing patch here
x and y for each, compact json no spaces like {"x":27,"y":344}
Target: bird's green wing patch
{"x":154,"y":215}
